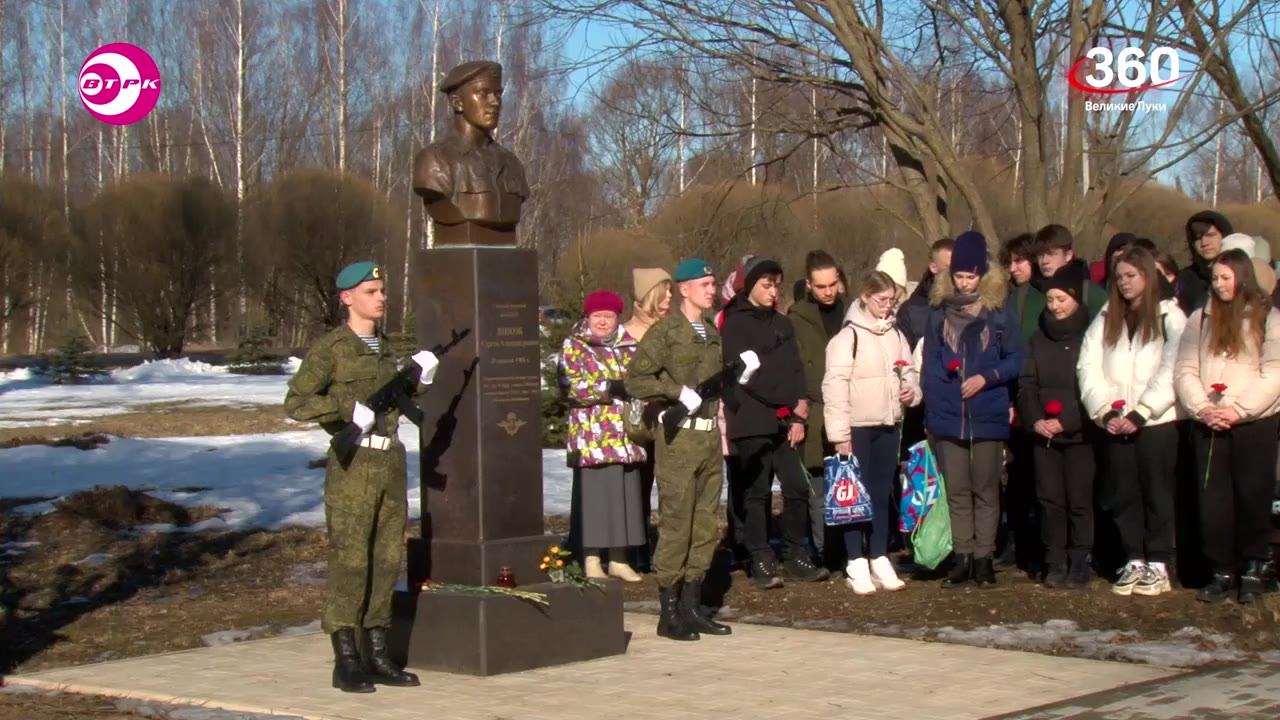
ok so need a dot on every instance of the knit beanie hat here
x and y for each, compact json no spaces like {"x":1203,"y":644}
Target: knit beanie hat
{"x":756,"y":268}
{"x":643,"y":280}
{"x":602,"y":301}
{"x":1240,"y":241}
{"x":894,"y":264}
{"x":1069,"y":278}
{"x":1261,"y":248}
{"x":970,"y":253}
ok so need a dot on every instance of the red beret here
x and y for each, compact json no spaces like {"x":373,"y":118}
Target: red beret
{"x":601,"y":301}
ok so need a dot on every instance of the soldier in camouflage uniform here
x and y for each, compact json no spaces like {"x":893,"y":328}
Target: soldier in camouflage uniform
{"x":365,"y":504}
{"x":677,"y":354}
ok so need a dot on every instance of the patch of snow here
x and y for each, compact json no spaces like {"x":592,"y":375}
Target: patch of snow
{"x":1189,"y":647}
{"x":18,"y":544}
{"x":38,"y":508}
{"x":308,"y":629}
{"x":93,"y":559}
{"x":227,"y":637}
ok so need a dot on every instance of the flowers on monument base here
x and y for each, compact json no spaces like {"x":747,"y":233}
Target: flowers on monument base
{"x":560,"y":566}
{"x":432,"y":586}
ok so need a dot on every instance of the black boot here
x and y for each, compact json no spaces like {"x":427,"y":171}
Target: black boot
{"x":1218,"y":589}
{"x":381,"y":668}
{"x":691,"y":611}
{"x":984,"y":572}
{"x":1056,"y":577}
{"x":1078,"y":574}
{"x":348,"y":675}
{"x":1251,"y":582}
{"x":961,"y":572}
{"x":802,"y":569}
{"x":671,"y":624}
{"x":764,"y":572}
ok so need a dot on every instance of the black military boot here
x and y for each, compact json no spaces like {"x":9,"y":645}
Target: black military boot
{"x":671,"y":623}
{"x":984,"y":572}
{"x":348,"y":675}
{"x":691,"y":612}
{"x":1251,"y":582}
{"x":764,"y":572}
{"x":1218,"y":589}
{"x":1056,"y":577}
{"x":381,"y":668}
{"x":961,"y":571}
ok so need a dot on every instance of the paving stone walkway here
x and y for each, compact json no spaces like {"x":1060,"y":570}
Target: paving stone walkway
{"x":759,"y":672}
{"x":1237,"y":692}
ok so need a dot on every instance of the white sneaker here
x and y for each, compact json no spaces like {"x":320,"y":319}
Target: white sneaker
{"x":1154,"y":581}
{"x":1133,"y":572}
{"x":883,"y":576}
{"x":859,"y":577}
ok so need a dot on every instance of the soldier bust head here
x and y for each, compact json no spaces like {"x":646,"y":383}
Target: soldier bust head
{"x":472,"y":187}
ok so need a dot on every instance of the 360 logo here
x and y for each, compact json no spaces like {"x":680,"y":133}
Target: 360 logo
{"x":119,"y":84}
{"x":1131,"y":69}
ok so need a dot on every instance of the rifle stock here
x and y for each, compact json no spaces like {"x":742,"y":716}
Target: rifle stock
{"x":397,"y":393}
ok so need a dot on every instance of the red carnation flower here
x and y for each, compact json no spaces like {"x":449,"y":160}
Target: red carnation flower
{"x":901,"y":363}
{"x":1118,"y":405}
{"x":784,"y":413}
{"x":954,"y":366}
{"x":1053,"y":408}
{"x":1219,"y":388}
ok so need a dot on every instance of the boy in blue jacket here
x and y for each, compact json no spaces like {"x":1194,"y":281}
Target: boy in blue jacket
{"x":970,"y":359}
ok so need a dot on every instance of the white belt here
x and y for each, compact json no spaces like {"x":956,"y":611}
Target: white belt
{"x":376,"y":442}
{"x":703,"y":424}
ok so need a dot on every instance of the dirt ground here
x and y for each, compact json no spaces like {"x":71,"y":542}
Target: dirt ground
{"x":178,"y":420}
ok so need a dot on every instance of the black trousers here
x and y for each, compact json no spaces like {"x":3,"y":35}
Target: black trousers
{"x":1137,"y":490}
{"x":1064,"y":485}
{"x":1022,"y":521}
{"x":758,"y":460}
{"x":876,"y":449}
{"x":1235,"y":499}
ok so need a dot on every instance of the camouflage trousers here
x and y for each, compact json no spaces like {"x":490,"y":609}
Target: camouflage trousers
{"x":365,"y":509}
{"x":690,"y":477}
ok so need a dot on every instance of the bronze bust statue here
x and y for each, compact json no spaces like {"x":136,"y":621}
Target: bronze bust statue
{"x":472,"y":187}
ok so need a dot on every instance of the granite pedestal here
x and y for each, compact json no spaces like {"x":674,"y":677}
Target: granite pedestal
{"x":481,"y":465}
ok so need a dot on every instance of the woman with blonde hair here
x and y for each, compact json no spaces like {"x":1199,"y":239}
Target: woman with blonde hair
{"x":650,"y":300}
{"x":869,"y":378}
{"x":1228,"y":377}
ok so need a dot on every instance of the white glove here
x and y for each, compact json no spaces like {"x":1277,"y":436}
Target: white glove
{"x":690,"y":400}
{"x":362,"y":416}
{"x":751,"y":361}
{"x":429,"y":364}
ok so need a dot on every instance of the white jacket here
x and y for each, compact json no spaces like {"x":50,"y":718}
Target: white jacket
{"x":1252,"y":378}
{"x":1139,"y":374}
{"x":863,"y":390}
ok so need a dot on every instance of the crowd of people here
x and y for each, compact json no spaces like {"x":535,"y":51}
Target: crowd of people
{"x":1118,"y":418}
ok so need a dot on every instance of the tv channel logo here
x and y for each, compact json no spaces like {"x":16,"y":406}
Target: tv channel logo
{"x":119,"y":83}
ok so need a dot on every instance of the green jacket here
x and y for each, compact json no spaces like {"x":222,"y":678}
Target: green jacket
{"x":672,"y":355}
{"x":338,"y":371}
{"x":812,"y":338}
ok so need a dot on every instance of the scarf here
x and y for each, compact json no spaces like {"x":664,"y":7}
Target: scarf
{"x":959,"y":311}
{"x":1071,"y":327}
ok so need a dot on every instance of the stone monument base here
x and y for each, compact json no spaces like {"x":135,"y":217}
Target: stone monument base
{"x":485,"y":634}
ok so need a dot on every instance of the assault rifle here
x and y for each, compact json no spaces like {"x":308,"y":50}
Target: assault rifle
{"x":397,"y":393}
{"x":713,"y":386}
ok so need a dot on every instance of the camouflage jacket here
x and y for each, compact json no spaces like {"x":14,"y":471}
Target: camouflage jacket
{"x":672,"y":355}
{"x":338,"y":371}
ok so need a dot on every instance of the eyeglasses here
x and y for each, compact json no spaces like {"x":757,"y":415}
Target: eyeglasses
{"x":882,"y":299}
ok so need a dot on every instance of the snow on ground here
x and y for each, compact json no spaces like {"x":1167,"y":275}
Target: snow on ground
{"x":263,"y":480}
{"x":28,"y":399}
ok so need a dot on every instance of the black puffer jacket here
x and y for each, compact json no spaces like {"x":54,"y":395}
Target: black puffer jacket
{"x":1049,"y":373}
{"x":751,"y":410}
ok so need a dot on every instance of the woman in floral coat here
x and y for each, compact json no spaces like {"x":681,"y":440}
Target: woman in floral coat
{"x":607,"y":509}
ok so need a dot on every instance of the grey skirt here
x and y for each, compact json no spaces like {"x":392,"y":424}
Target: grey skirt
{"x":611,"y":508}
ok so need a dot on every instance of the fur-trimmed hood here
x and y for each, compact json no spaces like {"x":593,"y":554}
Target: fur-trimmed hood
{"x":993,"y":288}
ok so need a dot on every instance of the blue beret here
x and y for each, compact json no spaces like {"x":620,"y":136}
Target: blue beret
{"x":356,"y":273}
{"x":692,"y":269}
